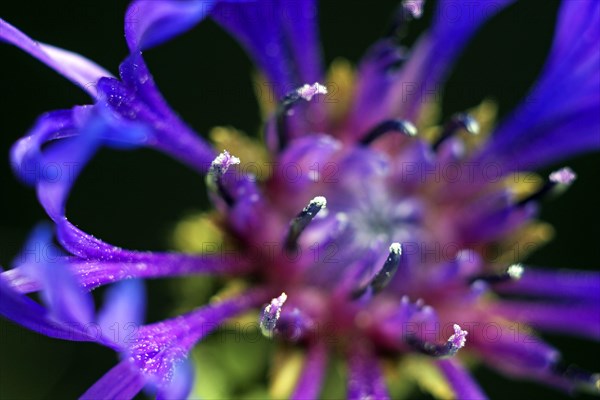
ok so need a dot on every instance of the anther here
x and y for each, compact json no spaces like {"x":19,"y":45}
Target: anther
{"x":450,"y":348}
{"x":457,"y":123}
{"x":306,"y":92}
{"x":384,"y":275}
{"x":302,"y":220}
{"x":217,"y":169}
{"x":271,"y":314}
{"x":407,"y":11}
{"x":414,"y":7}
{"x":395,"y":125}
{"x":558,"y":181}
{"x":513,"y":273}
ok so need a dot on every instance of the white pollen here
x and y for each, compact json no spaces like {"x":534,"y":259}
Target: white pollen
{"x":515,"y":271}
{"x":414,"y":7}
{"x":319,"y":201}
{"x":224,"y":161}
{"x":307,"y":92}
{"x":565,"y":176}
{"x":396,"y":248}
{"x":410,"y":128}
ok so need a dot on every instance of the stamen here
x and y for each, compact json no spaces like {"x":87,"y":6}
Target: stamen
{"x":302,"y":220}
{"x":558,"y":182}
{"x":306,"y":92}
{"x":450,"y":348}
{"x":513,"y":273}
{"x":457,"y":123}
{"x":395,"y":125}
{"x":271,"y":314}
{"x":217,"y":169}
{"x":414,"y":7}
{"x":385,"y":274}
{"x":407,"y":11}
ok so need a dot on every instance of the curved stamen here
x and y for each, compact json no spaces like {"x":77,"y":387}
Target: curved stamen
{"x":457,"y":123}
{"x":512,"y":273}
{"x":453,"y":344}
{"x":218,"y":168}
{"x":306,"y":92}
{"x":385,"y":274}
{"x":558,"y":181}
{"x":270,"y":315}
{"x":394,"y":125}
{"x":302,"y":220}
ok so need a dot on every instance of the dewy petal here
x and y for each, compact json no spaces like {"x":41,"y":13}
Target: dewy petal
{"x":158,"y":348}
{"x":365,"y":379}
{"x":313,"y":373}
{"x":93,"y":271}
{"x":138,"y":99}
{"x":122,"y":382}
{"x":463,"y":384}
{"x":560,"y":116}
{"x":78,"y":69}
{"x":123,"y":310}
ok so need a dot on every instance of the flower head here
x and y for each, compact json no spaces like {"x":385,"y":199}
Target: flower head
{"x":353,"y":241}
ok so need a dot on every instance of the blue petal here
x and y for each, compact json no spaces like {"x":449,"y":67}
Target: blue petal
{"x":67,"y":302}
{"x":560,"y":116}
{"x":78,"y":69}
{"x":182,"y":383}
{"x":26,"y":312}
{"x":149,"y":23}
{"x":280,"y":36}
{"x":123,"y":310}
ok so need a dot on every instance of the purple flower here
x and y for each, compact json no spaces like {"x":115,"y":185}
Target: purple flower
{"x":343,"y":259}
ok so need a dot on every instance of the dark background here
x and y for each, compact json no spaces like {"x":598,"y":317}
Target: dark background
{"x":133,"y":199}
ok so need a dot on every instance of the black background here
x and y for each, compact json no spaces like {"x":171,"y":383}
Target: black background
{"x":134,"y":198}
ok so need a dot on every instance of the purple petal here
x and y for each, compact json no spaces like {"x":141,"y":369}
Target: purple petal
{"x":558,"y":284}
{"x":78,"y":69}
{"x":365,"y":379}
{"x":123,"y":310}
{"x":463,"y":384}
{"x":122,"y":382}
{"x":573,"y":319}
{"x":313,"y":373}
{"x":560,"y":116}
{"x":514,"y":350}
{"x":149,"y":23}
